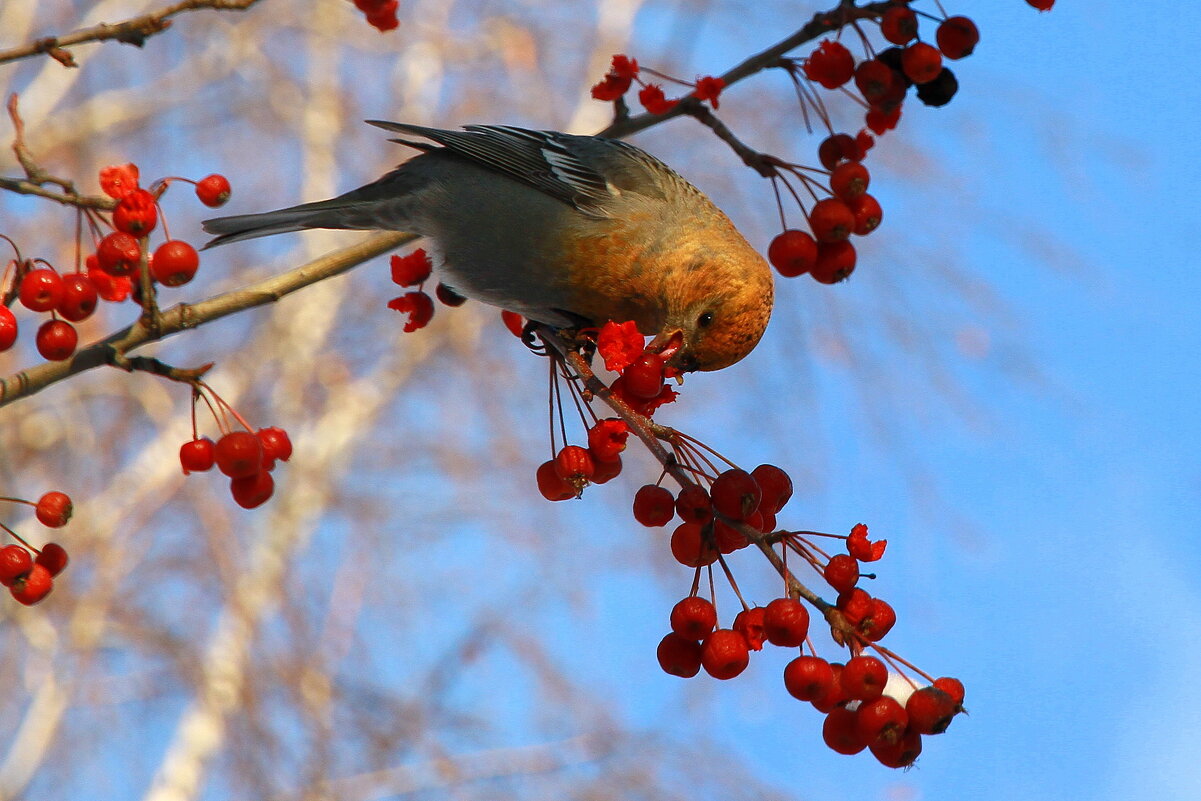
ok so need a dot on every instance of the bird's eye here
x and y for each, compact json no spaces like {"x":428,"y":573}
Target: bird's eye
{"x":705,"y":319}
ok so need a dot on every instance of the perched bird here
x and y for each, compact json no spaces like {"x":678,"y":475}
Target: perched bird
{"x":566,"y":230}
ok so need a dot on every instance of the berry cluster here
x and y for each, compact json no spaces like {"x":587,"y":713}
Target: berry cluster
{"x":29,"y":572}
{"x":640,"y":387}
{"x":624,"y":71}
{"x":866,"y":705}
{"x":247,"y":456}
{"x":73,"y":297}
{"x":381,"y":14}
{"x":870,"y":701}
{"x":882,"y":81}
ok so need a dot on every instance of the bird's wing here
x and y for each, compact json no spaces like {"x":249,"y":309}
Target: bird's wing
{"x":551,"y":162}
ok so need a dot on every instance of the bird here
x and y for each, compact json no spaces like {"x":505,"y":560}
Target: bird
{"x":567,"y":230}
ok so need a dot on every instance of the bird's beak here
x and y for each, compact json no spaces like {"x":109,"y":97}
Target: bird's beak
{"x":670,"y":345}
{"x":667,"y":344}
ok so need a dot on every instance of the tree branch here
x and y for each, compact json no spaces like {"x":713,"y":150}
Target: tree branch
{"x":184,"y":316}
{"x":823,"y":22}
{"x":133,"y":31}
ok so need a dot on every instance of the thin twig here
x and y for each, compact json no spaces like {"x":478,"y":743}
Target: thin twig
{"x":36,"y":176}
{"x":132,"y":31}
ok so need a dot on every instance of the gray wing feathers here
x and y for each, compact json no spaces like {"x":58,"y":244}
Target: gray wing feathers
{"x":585,"y":172}
{"x":545,"y":160}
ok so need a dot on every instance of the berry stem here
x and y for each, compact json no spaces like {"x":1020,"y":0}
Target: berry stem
{"x":19,"y":538}
{"x":19,"y":500}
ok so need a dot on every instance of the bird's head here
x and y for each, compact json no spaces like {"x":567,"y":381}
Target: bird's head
{"x":718,"y":302}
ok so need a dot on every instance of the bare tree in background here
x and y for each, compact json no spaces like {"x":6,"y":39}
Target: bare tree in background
{"x":383,"y":627}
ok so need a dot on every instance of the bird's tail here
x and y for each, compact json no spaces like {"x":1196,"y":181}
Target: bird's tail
{"x":384,"y":204}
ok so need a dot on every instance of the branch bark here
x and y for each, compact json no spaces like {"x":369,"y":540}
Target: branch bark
{"x":134,"y":31}
{"x":184,"y":315}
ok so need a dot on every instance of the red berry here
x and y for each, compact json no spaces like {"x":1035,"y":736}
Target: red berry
{"x":881,"y":719}
{"x":875,"y":80}
{"x":252,"y":490}
{"x":79,"y":297}
{"x":514,"y":322}
{"x":276,"y":445}
{"x":213,"y":190}
{"x":878,"y":621}
{"x":899,"y":24}
{"x":197,"y":455}
{"x":952,"y":687}
{"x":831,"y":220}
{"x":654,"y":506}
{"x":808,"y":678}
{"x":792,"y":253}
{"x":839,"y":732}
{"x":880,"y":120}
{"x":863,"y":678}
{"x":842,"y":572}
{"x":837,"y":148}
{"x":607,"y":439}
{"x":644,"y":378}
{"x":690,"y":547}
{"x":749,"y":623}
{"x":605,"y":471}
{"x":34,"y":586}
{"x":835,"y":261}
{"x":239,"y":454}
{"x":41,"y":290}
{"x":776,"y":486}
{"x":136,"y":213}
{"x":957,"y":37}
{"x":679,"y":656}
{"x":930,"y":710}
{"x":118,"y":253}
{"x":831,"y":64}
{"x":54,"y":509}
{"x":119,"y":180}
{"x":921,"y":62}
{"x":551,"y":485}
{"x":735,"y":494}
{"x":174,"y":263}
{"x":693,"y":618}
{"x":8,"y":328}
{"x":574,"y":465}
{"x":56,"y":340}
{"x":693,"y":504}
{"x":1041,"y":5}
{"x":867,"y":212}
{"x":724,"y":654}
{"x":900,"y":754}
{"x":834,"y":695}
{"x":15,"y":562}
{"x":53,"y":557}
{"x":412,"y":269}
{"x":785,"y":622}
{"x":855,"y":604}
{"x":727,"y":538}
{"x":849,"y":180}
